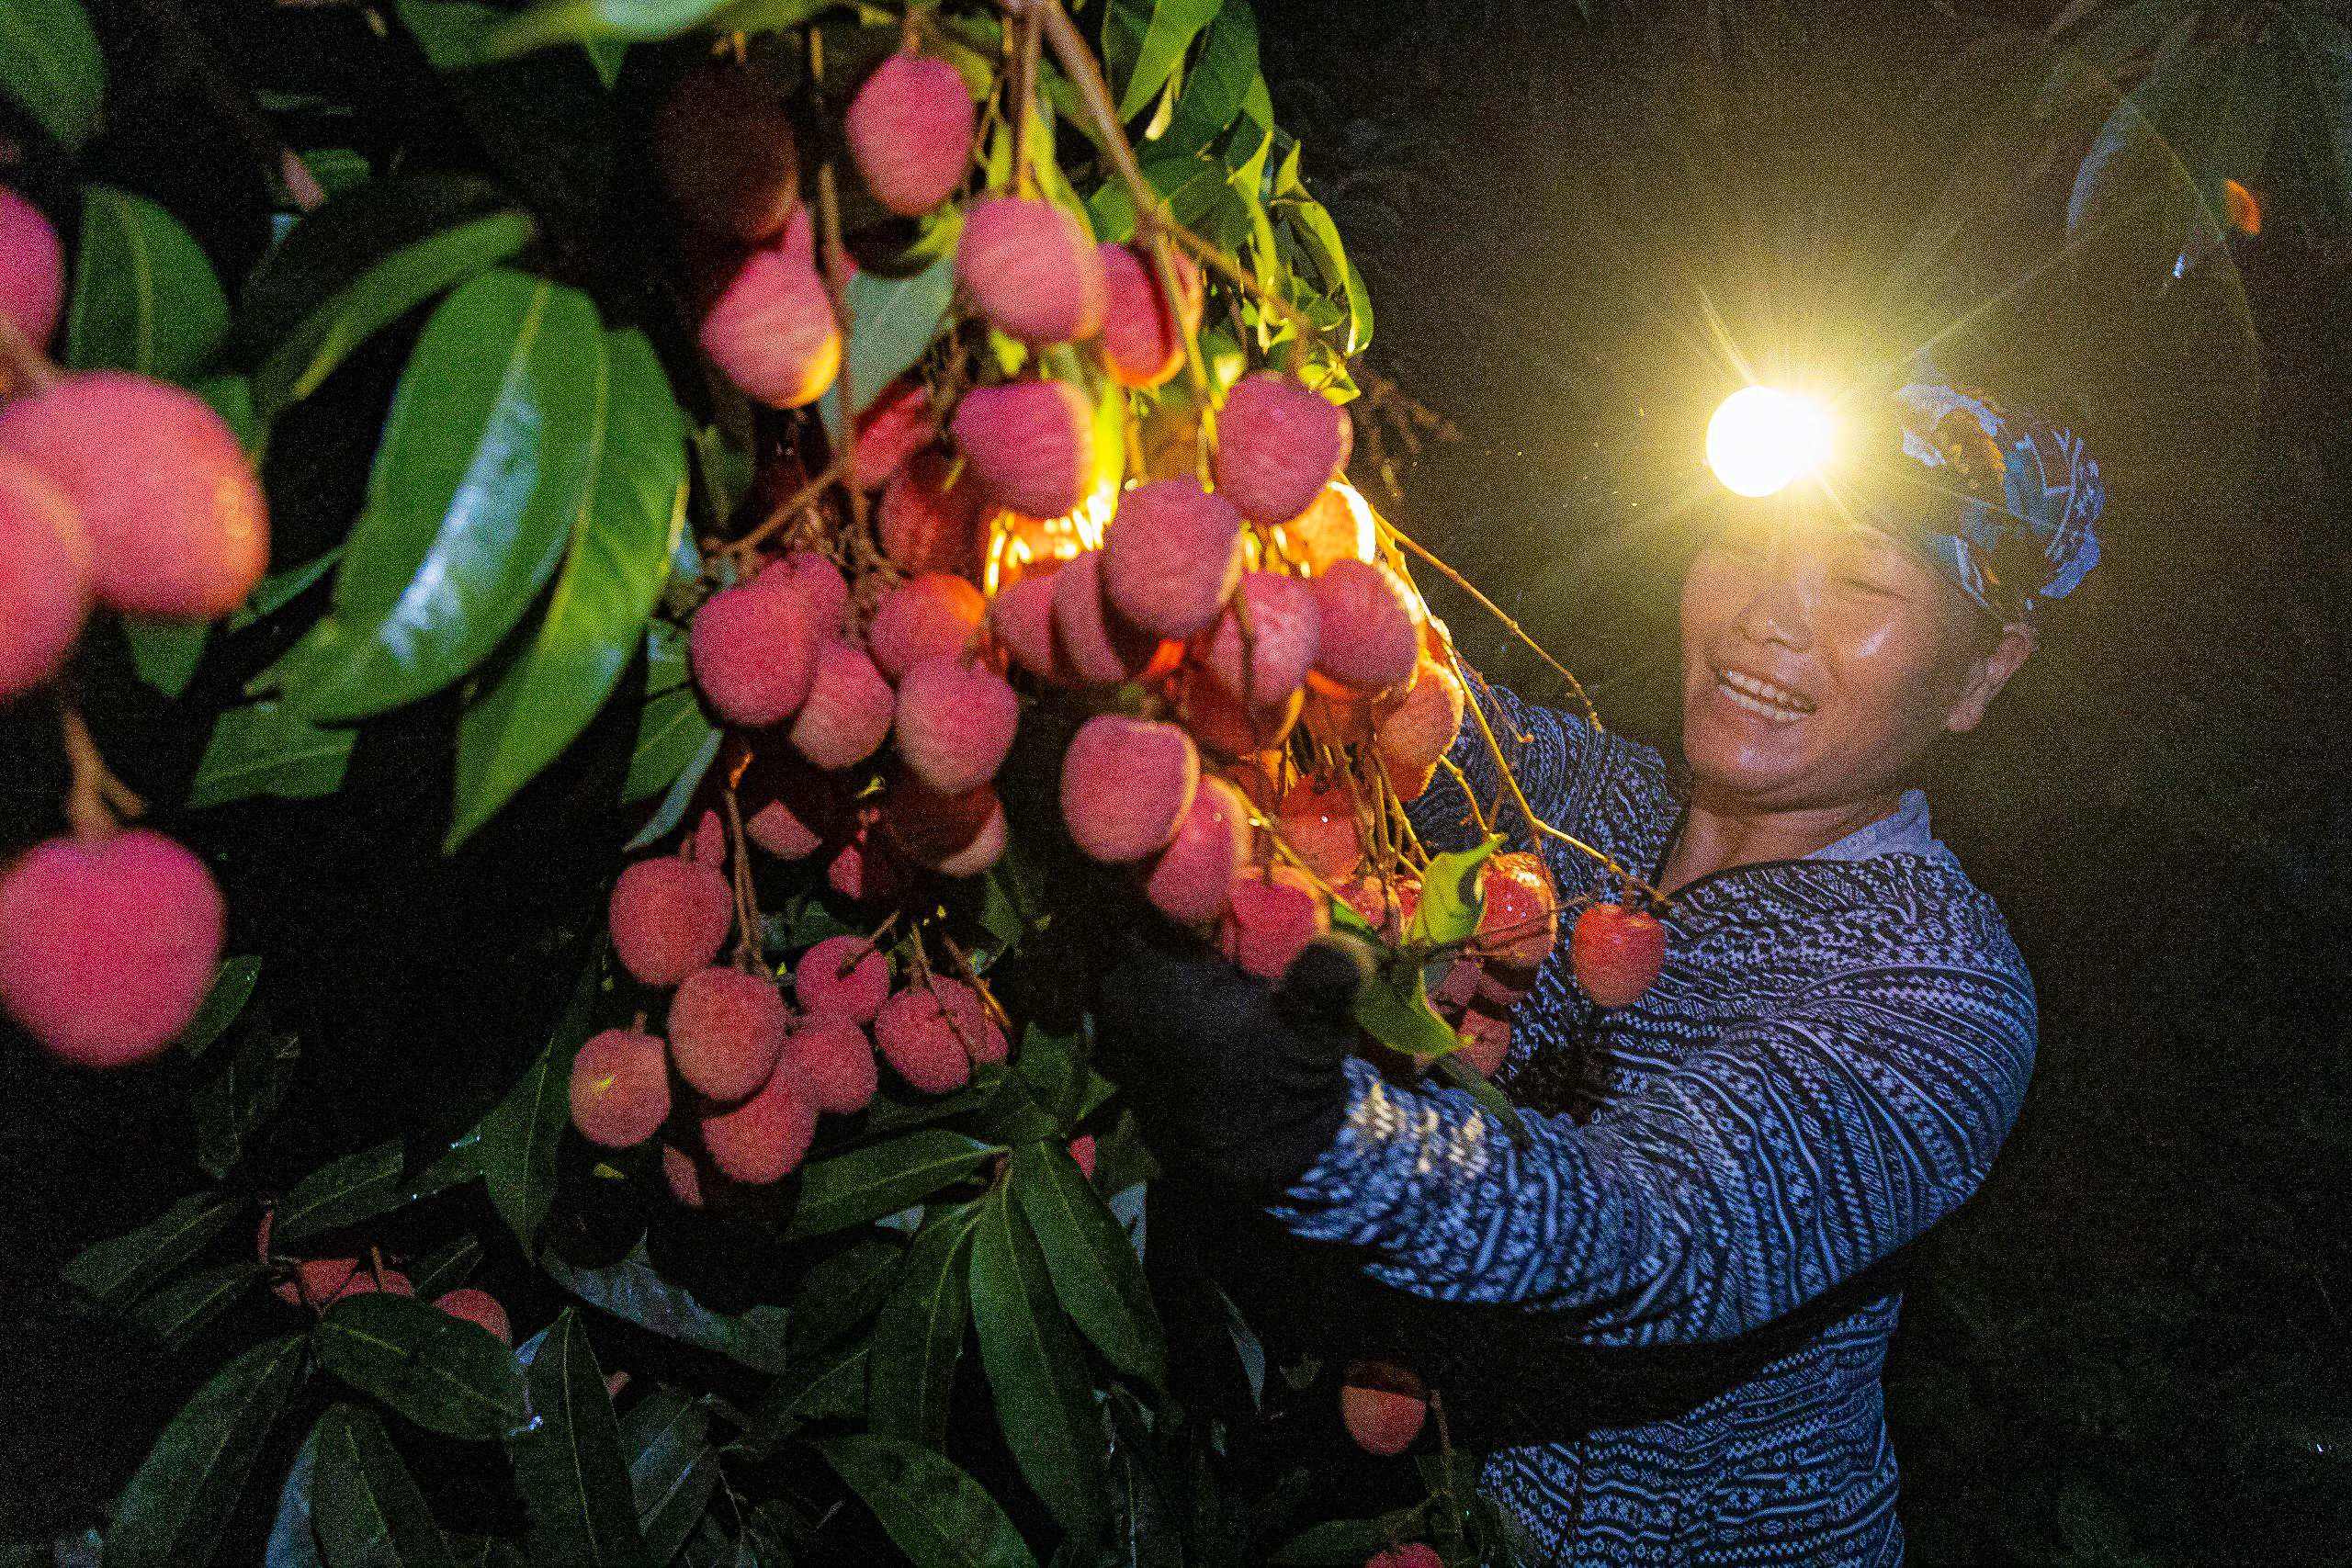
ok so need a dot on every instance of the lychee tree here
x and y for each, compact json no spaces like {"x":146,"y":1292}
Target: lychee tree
{"x":925,"y":431}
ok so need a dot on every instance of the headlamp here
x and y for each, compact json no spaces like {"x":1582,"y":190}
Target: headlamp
{"x":1763,"y":439}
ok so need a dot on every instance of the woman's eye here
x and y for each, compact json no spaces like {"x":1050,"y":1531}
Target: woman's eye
{"x":1864,"y":585}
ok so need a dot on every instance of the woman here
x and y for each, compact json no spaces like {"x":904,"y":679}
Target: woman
{"x":1837,"y":1043}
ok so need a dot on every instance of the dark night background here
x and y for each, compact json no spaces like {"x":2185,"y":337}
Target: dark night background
{"x":2129,"y":1348}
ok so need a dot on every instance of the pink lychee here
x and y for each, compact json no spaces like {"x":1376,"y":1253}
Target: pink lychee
{"x":961,"y":834}
{"x":919,"y":1043}
{"x":1422,"y":729}
{"x":1192,"y":878}
{"x":620,"y":1088}
{"x":844,"y":976}
{"x":683,"y":1174}
{"x":669,"y":916}
{"x":774,"y":331}
{"x":1384,"y":1407}
{"x":1172,"y":556}
{"x":1319,"y":824}
{"x":1126,"y":785}
{"x":1091,"y":641}
{"x":761,"y":1140}
{"x":925,"y":616}
{"x":1412,"y":1554}
{"x":1271,"y":920}
{"x":1028,"y":266}
{"x":32,"y":268}
{"x":847,"y":714}
{"x":726,"y":1027}
{"x":1143,"y":342}
{"x":1279,"y":442}
{"x":329,"y":1279}
{"x":1286,"y":630}
{"x":1369,"y":643}
{"x":824,"y":592}
{"x":837,"y":1059}
{"x":479,"y":1308}
{"x":753,"y":653}
{"x":956,"y":722}
{"x":931,"y":514}
{"x":895,"y":425}
{"x":45,"y":574}
{"x":1081,"y":1150}
{"x":910,"y":129}
{"x":1021,"y":618}
{"x":1032,"y":441}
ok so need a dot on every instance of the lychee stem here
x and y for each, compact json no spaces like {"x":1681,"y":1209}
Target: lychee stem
{"x":1462,"y":781}
{"x":972,"y":977}
{"x":743,"y":548}
{"x":26,"y":365}
{"x":748,"y":954}
{"x":1024,"y":98}
{"x":1575,"y":685}
{"x":830,"y":249}
{"x":97,"y":803}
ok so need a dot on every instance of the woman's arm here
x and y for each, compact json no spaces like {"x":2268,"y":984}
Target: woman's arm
{"x":1786,"y":1157}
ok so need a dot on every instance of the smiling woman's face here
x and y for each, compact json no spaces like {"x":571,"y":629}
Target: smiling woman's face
{"x":1820,"y":659}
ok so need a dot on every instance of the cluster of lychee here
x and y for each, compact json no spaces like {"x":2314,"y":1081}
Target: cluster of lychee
{"x":117,"y":491}
{"x":319,"y":1282}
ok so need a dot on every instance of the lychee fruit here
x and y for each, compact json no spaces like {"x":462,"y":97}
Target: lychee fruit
{"x":1126,"y":785}
{"x":895,"y":425}
{"x":328,"y":1280}
{"x":961,"y":834}
{"x":1521,"y":922}
{"x":790,"y":806}
{"x":479,"y":1308}
{"x":955,"y":723}
{"x":724,"y":146}
{"x":1032,"y":441}
{"x":1422,"y":727}
{"x":824,"y":592}
{"x":708,"y":845}
{"x":920,"y":1044}
{"x":1172,"y":556}
{"x":761,"y":1140}
{"x":1092,"y":642}
{"x":1319,"y":820}
{"x":847,"y":714}
{"x":844,"y":976}
{"x":178,"y":527}
{"x":967,"y":1017}
{"x":930,"y":513}
{"x":1285,"y":629}
{"x":1412,"y":1554}
{"x":1485,"y":1040}
{"x":1386,"y":907}
{"x":1337,"y":525}
{"x":753,"y":653}
{"x":45,"y":574}
{"x":620,"y":1088}
{"x":1617,"y":953}
{"x":1021,"y":617}
{"x":1384,"y":1407}
{"x":1143,"y":340}
{"x":1411,"y":784}
{"x":726,"y":1027}
{"x":1219,"y":717}
{"x":924,"y":617}
{"x":774,"y":331}
{"x":1368,"y":640}
{"x":683,"y":1174}
{"x":867,"y":868}
{"x":1279,"y":442}
{"x":669,"y":916}
{"x":1028,"y":266}
{"x":838,"y":1060}
{"x":1271,"y":919}
{"x":910,"y":129}
{"x":1192,"y":878}
{"x":32,"y":268}
{"x":107,"y":948}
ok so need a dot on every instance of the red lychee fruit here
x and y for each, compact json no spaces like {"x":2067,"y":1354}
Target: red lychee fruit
{"x":790,"y":806}
{"x":1617,"y":953}
{"x":844,"y":976}
{"x":867,"y":867}
{"x":1520,"y":922}
{"x":1411,"y":784}
{"x":961,"y":834}
{"x":955,"y":723}
{"x":761,"y":1140}
{"x":1092,"y":642}
{"x":724,"y":146}
{"x":336,"y":1279}
{"x":753,"y":653}
{"x":847,"y":714}
{"x":1337,"y":526}
{"x":1485,"y":1040}
{"x":895,"y":425}
{"x":1385,"y":906}
{"x":1285,"y":629}
{"x":108,"y":948}
{"x":681,"y":1170}
{"x":922,"y":618}
{"x":1082,"y":1150}
{"x":1126,"y":785}
{"x":1021,"y":617}
{"x":32,"y":268}
{"x":1143,"y":342}
{"x":726,"y":1027}
{"x":968,"y":1018}
{"x":1412,"y":1554}
{"x":1032,"y":441}
{"x":774,"y":331}
{"x":479,"y":1308}
{"x":45,"y":574}
{"x":708,"y":846}
{"x":1319,"y":820}
{"x":910,"y":129}
{"x":920,"y":1044}
{"x":1172,"y":556}
{"x":824,"y":592}
{"x":931,"y":514}
{"x":838,"y":1060}
{"x":1384,"y":1407}
{"x":1369,"y":641}
{"x":620,"y":1088}
{"x":1192,"y":878}
{"x":1219,"y":717}
{"x":1271,"y":920}
{"x":1422,"y":729}
{"x":1028,"y":266}
{"x":669,"y":916}
{"x":178,"y":527}
{"x":1279,"y":442}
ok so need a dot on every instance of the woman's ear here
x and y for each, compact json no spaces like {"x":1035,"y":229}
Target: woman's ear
{"x":1989,"y":674}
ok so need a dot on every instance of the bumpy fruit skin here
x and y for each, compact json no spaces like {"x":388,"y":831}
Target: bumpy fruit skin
{"x":1422,"y":729}
{"x":1368,"y":640}
{"x":1337,"y":526}
{"x":45,"y":575}
{"x":685,"y":1176}
{"x":106,"y":949}
{"x":1092,"y":642}
{"x":961,"y":834}
{"x":895,"y":425}
{"x":823,"y":590}
{"x":668,"y":917}
{"x":1142,"y":341}
{"x":847,"y":714}
{"x":838,"y":1060}
{"x":955,"y":723}
{"x":1285,"y":629}
{"x":177,"y":526}
{"x":32,"y":268}
{"x":1485,"y":1040}
{"x":1021,"y":617}
{"x":725,"y":149}
{"x":1320,"y":823}
{"x":726,"y":1029}
{"x":761,"y":1140}
{"x":844,"y":976}
{"x":774,"y":331}
{"x":479,"y":1308}
{"x":620,"y":1088}
{"x":1617,"y":953}
{"x":1271,"y":920}
{"x":920,"y":1044}
{"x":929,"y":523}
{"x":967,"y":1019}
{"x":1412,"y":1554}
{"x":790,"y":807}
{"x":1172,"y":556}
{"x":909,"y":131}
{"x":1032,"y":441}
{"x":1192,"y":878}
{"x":1126,"y":785}
{"x":1384,"y":1407}
{"x":1081,"y":1150}
{"x":1027,"y":266}
{"x":923,"y":616}
{"x":753,"y":653}
{"x":867,"y":868}
{"x":1279,"y":442}
{"x":1520,"y":922}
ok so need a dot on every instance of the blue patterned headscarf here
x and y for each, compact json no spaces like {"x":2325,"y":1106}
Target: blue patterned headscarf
{"x":2003,"y":504}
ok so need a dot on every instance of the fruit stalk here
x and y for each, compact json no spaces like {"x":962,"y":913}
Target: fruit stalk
{"x":98,"y":801}
{"x":1400,"y":538}
{"x":830,"y":253}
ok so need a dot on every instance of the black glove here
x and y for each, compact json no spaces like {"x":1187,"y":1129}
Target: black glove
{"x":1234,"y":1075}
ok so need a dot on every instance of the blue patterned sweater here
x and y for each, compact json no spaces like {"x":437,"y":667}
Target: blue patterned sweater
{"x":1827,"y":1064}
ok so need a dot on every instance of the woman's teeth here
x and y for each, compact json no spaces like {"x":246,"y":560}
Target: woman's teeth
{"x":1762,"y":697}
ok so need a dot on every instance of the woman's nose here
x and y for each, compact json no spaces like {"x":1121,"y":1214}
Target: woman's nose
{"x":1776,"y":612}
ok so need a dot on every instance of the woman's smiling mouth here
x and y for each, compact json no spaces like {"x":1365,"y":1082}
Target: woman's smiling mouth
{"x":1767,"y":699}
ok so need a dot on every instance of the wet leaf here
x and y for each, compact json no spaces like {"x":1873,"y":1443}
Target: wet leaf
{"x":635,"y":1290}
{"x":364,"y":1503}
{"x":1036,"y":1370}
{"x":672,"y":1466}
{"x":1097,"y":1275}
{"x":231,"y":988}
{"x":230,"y":1109}
{"x":118,"y":1271}
{"x":920,"y":1335}
{"x":354,"y":1188}
{"x":176,"y":1312}
{"x":882,"y":1178}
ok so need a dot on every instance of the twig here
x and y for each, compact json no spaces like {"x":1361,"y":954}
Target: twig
{"x":26,"y":364}
{"x":750,"y":951}
{"x":1400,"y":536}
{"x":836,"y":290}
{"x":187,"y":48}
{"x":97,"y":803}
{"x":749,"y":544}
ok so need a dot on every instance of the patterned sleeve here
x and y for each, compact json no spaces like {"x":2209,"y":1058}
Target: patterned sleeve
{"x":1548,"y":750}
{"x":1784,"y":1158}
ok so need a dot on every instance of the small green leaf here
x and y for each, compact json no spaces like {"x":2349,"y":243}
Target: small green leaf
{"x":1096,"y":1274}
{"x":229,"y":1110}
{"x":675,"y":746}
{"x":173,"y":1509}
{"x":293,"y":1543}
{"x":633,"y":1289}
{"x":176,"y":1312}
{"x":522,"y":1133}
{"x":892,"y":322}
{"x":867,"y":1183}
{"x":1452,"y":900}
{"x":1490,"y":1098}
{"x":50,"y":63}
{"x":1393,"y":1006}
{"x":357,"y":1186}
{"x":672,"y":1466}
{"x":935,"y":1513}
{"x":364,"y":1503}
{"x":838,"y":1293}
{"x":442,"y":1373}
{"x":568,"y":1461}
{"x":233,"y":987}
{"x":1172,"y":26}
{"x":1215,"y":87}
{"x":574,"y":22}
{"x":264,"y":749}
{"x":118,"y":1271}
{"x":1036,"y":1370}
{"x":280,"y":589}
{"x":145,"y":297}
{"x":166,"y":653}
{"x":920,"y":1335}
{"x":446,"y":1268}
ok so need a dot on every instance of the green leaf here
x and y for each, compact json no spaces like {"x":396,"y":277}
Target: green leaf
{"x":2321,"y":64}
{"x":1173,"y":26}
{"x":1036,"y":1370}
{"x":633,"y":1289}
{"x":486,"y":1552}
{"x":228,"y":1111}
{"x":173,"y":1509}
{"x":446,"y":1268}
{"x":523,"y":1132}
{"x":1320,"y":238}
{"x":444,"y":1373}
{"x":474,"y":486}
{"x":50,"y":63}
{"x":1350,"y":1541}
{"x":1215,"y":87}
{"x":574,"y":22}
{"x":280,"y":589}
{"x":1393,"y":1006}
{"x":837,"y":1294}
{"x":568,"y":1461}
{"x":264,"y":749}
{"x":353,"y":1188}
{"x":882,"y":1178}
{"x":364,"y":1503}
{"x":292,"y":1541}
{"x":672,"y":1466}
{"x":935,"y":1513}
{"x":175,"y":1314}
{"x":118,"y":1271}
{"x":166,"y":653}
{"x":145,"y":297}
{"x":629,"y":507}
{"x":1452,"y":900}
{"x":920,"y":1335}
{"x":675,"y":746}
{"x":892,"y":322}
{"x":1096,"y":1274}
{"x":1461,"y":1075}
{"x":332,"y":253}
{"x":832,"y":1385}
{"x":233,"y":987}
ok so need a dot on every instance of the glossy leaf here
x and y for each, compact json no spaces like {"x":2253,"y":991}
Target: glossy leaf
{"x":832,"y":1385}
{"x":50,"y":63}
{"x":353,"y":1188}
{"x":446,"y":1268}
{"x":635,"y":1290}
{"x":1393,"y":1006}
{"x":364,"y":1503}
{"x":935,"y":1513}
{"x":1146,"y":1532}
{"x":231,"y":1108}
{"x":280,"y":589}
{"x":166,"y":653}
{"x":145,"y":297}
{"x":628,"y":507}
{"x":1097,"y":1277}
{"x":522,"y":1133}
{"x":1036,"y":1370}
{"x":117,"y":1271}
{"x":173,"y":1509}
{"x":1451,"y":900}
{"x":292,"y":1543}
{"x":572,"y":21}
{"x":176,"y":1312}
{"x":672,"y":1466}
{"x":838,"y":1293}
{"x":264,"y":748}
{"x":1170,"y":26}
{"x":882,"y":1178}
{"x":568,"y":1461}
{"x":920,"y":1335}
{"x":892,"y":322}
{"x":1215,"y":85}
{"x":444,"y":1373}
{"x":231,"y":988}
